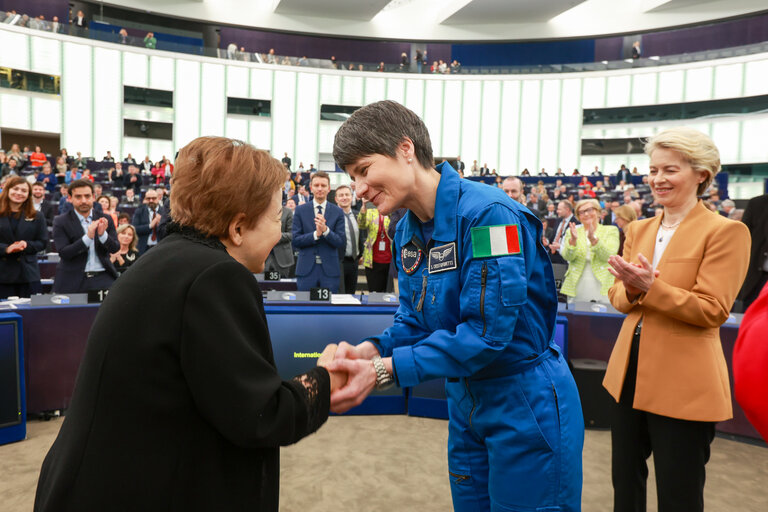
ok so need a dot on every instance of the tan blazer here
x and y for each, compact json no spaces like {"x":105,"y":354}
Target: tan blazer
{"x":681,"y":370}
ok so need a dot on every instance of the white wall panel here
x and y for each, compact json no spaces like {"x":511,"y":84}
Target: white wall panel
{"x":529,"y":126}
{"x":470,"y":120}
{"x":753,"y":146}
{"x":161,"y":73}
{"x":213,"y":100}
{"x":698,"y":84}
{"x":261,"y":132}
{"x":330,"y":90}
{"x":15,"y":50}
{"x":352,"y":91}
{"x":726,"y":137}
{"x":414,"y":96}
{"x":510,"y":128}
{"x":433,"y":114}
{"x":452,"y":120}
{"x":135,"y":69}
{"x":375,"y":89}
{"x":396,"y":90}
{"x":327,"y":130}
{"x":186,"y":103}
{"x":261,"y":84}
{"x":238,"y":82}
{"x":157,"y":149}
{"x":77,"y":99}
{"x":283,"y":113}
{"x":549,"y":133}
{"x":108,"y":99}
{"x":594,"y":92}
{"x":756,"y":78}
{"x":15,"y":110}
{"x":570,"y":125}
{"x":644,"y":88}
{"x":489,"y":123}
{"x":307,"y":120}
{"x":237,"y":127}
{"x":729,"y":80}
{"x":46,"y":56}
{"x":671,"y":86}
{"x":46,"y":114}
{"x":618,"y":91}
{"x":137,"y":148}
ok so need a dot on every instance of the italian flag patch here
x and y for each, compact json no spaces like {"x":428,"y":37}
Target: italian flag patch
{"x":495,"y":241}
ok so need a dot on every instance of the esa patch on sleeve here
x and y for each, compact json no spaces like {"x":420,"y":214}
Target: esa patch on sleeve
{"x":490,"y":241}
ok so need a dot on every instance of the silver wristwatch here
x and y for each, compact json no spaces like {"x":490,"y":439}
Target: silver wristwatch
{"x":384,"y":379}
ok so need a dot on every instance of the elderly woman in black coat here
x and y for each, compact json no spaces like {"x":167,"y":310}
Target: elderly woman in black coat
{"x":186,"y":410}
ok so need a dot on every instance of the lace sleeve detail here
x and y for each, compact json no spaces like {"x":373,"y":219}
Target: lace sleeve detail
{"x":315,"y":385}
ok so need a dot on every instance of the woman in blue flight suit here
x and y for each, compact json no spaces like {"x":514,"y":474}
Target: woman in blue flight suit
{"x":477,"y":306}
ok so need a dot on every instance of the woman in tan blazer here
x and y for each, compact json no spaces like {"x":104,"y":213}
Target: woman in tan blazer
{"x":677,"y":281}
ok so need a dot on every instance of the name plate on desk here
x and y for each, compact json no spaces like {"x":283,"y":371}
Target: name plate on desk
{"x":97,"y":296}
{"x":383,"y":298}
{"x":278,"y":295}
{"x":59,"y":299}
{"x":320,"y":294}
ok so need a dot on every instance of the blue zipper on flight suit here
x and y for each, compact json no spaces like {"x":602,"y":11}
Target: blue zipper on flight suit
{"x":483,"y":279}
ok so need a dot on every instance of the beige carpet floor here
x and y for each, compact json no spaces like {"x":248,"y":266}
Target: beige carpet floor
{"x":398,"y":463}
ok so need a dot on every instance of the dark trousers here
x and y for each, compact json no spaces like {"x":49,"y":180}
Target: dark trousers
{"x":349,"y":275}
{"x":100,"y":281}
{"x":377,"y":277}
{"x":680,"y":451}
{"x":19,"y":289}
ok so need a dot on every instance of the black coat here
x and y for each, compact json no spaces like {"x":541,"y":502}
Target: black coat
{"x":22,"y":267}
{"x":183,"y":410}
{"x":756,"y":219}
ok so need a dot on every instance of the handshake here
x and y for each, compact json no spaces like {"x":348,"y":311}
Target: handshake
{"x":353,"y":376}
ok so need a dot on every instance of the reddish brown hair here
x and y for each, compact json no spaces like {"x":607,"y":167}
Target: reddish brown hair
{"x":216,"y":178}
{"x":27,"y":208}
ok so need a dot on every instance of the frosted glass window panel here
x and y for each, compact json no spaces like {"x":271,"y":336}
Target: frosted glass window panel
{"x":489,"y":122}
{"x":549,"y":123}
{"x":452,"y":120}
{"x":77,"y":99}
{"x":375,"y":89}
{"x":107,"y":98}
{"x":756,"y":79}
{"x":592,"y":133}
{"x":470,"y":120}
{"x":594,"y":92}
{"x":46,"y":56}
{"x":726,"y":137}
{"x":611,"y":165}
{"x":261,"y":133}
{"x":237,"y":128}
{"x":616,"y":133}
{"x":15,"y":52}
{"x":698,"y":84}
{"x":588,"y":164}
{"x":414,"y":96}
{"x":161,"y":73}
{"x":704,"y":127}
{"x":529,"y":126}
{"x":137,"y":148}
{"x":158,"y":149}
{"x":570,"y":124}
{"x":644,"y":88}
{"x":186,"y":103}
{"x":433,"y":114}
{"x":163,"y":115}
{"x":15,"y":110}
{"x":261,"y":84}
{"x":352,"y":91}
{"x":642,"y":162}
{"x":330,"y":89}
{"x":729,"y":80}
{"x":46,"y":114}
{"x":307,"y":119}
{"x":396,"y":90}
{"x":135,"y":69}
{"x":238,"y":81}
{"x":283,"y":113}
{"x":618,"y":91}
{"x":671,"y":86}
{"x":510,"y":128}
{"x":213,"y":100}
{"x":753,"y":146}
{"x":325,"y":137}
{"x":640,"y":131}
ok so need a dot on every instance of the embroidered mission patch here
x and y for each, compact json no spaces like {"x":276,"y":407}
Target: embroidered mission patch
{"x":443,"y":258}
{"x":410,"y":257}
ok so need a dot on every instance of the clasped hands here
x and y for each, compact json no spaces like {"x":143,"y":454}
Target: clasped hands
{"x":352,"y":374}
{"x":637,"y":277}
{"x":97,"y":227}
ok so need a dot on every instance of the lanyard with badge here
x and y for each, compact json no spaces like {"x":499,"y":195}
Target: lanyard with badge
{"x":382,"y":235}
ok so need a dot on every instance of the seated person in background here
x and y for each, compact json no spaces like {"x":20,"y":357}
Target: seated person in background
{"x":11,"y":167}
{"x":525,"y":173}
{"x":146,"y":165}
{"x":130,"y":198}
{"x":158,"y":173}
{"x":61,"y":166}
{"x":597,"y":172}
{"x":128,"y":252}
{"x":559,"y":172}
{"x":625,"y":215}
{"x":108,"y":157}
{"x":147,"y":220}
{"x":37,"y":159}
{"x":123,"y":219}
{"x":133,"y":179}
{"x":74,"y":173}
{"x":587,"y":248}
{"x":48,"y":209}
{"x":47,"y":178}
{"x":281,"y":258}
{"x":80,"y":161}
{"x":115,"y":174}
{"x":575,"y":173}
{"x":543,"y":172}
{"x":105,"y":207}
{"x":129,"y":159}
{"x":86,"y":175}
{"x":84,"y":239}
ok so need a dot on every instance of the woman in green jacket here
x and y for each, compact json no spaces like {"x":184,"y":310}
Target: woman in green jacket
{"x":587,"y":251}
{"x":377,"y":249}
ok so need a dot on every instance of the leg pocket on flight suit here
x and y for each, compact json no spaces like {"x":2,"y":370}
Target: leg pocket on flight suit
{"x":540,"y":399}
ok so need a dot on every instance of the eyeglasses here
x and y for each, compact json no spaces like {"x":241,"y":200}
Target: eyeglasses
{"x":586,"y":210}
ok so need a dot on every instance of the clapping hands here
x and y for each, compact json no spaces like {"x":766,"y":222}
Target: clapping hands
{"x":352,"y":373}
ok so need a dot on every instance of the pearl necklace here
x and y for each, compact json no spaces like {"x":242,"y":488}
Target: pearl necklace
{"x":668,"y":228}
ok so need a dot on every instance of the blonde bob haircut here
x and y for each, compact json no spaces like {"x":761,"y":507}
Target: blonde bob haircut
{"x":592,"y":202}
{"x":626,"y":213}
{"x":216,"y":178}
{"x":695,"y":147}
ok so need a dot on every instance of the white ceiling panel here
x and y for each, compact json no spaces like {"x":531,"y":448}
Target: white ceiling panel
{"x":343,"y":9}
{"x":496,"y":11}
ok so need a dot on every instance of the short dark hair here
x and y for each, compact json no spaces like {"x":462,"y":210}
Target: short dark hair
{"x":79,"y":184}
{"x":377,"y":129}
{"x":319,"y":174}
{"x":344,"y":186}
{"x":38,"y":184}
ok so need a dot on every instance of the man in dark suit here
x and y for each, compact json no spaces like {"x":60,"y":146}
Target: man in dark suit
{"x":566,"y":216}
{"x":459,"y":165}
{"x":146,"y":220}
{"x":286,"y":161}
{"x":485,"y":170}
{"x":318,"y":235}
{"x":84,"y":238}
{"x":133,"y":179}
{"x":281,"y":256}
{"x":350,"y":254}
{"x":48,"y":209}
{"x":756,"y":219}
{"x":624,"y":175}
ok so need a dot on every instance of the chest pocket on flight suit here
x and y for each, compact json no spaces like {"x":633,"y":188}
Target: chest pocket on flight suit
{"x":497,"y":287}
{"x":427,"y":296}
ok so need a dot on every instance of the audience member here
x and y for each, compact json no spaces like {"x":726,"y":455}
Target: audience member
{"x":146,"y":165}
{"x":123,"y":219}
{"x":47,"y":178}
{"x":756,"y":219}
{"x":587,"y":250}
{"x":150,"y":41}
{"x":286,"y":161}
{"x":291,"y":205}
{"x":513,"y":187}
{"x":129,"y":159}
{"x":565,"y":218}
{"x":108,"y":157}
{"x":128,"y":252}
{"x":61,"y":165}
{"x":79,"y":24}
{"x":625,"y":215}
{"x":105,"y":206}
{"x":84,"y":239}
{"x":74,"y":173}
{"x":22,"y":236}
{"x":11,"y":167}
{"x":39,"y":203}
{"x":377,"y":253}
{"x":146,"y":220}
{"x":38,"y":158}
{"x":115,"y":174}
{"x":350,"y":253}
{"x":133,"y":179}
{"x":130,"y":198}
{"x":624,"y":175}
{"x":80,"y":161}
{"x":280,"y":258}
{"x":318,"y":235}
